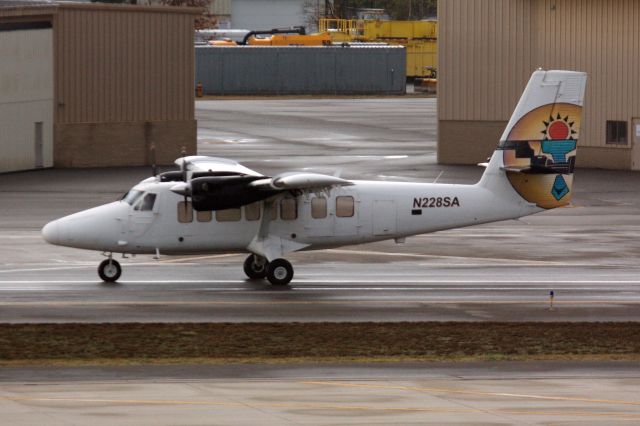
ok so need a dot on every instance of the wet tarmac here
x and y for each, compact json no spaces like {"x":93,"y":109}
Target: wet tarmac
{"x":586,"y":254}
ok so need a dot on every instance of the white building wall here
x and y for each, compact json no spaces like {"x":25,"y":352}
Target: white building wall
{"x":266,"y":14}
{"x":26,"y":97}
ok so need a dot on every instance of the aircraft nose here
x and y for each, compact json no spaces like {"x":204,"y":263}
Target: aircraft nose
{"x":51,"y":232}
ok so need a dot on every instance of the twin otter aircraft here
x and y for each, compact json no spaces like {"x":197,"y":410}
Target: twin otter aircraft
{"x":214,"y":205}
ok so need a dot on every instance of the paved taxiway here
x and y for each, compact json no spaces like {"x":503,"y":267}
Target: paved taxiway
{"x":586,"y":393}
{"x":586,"y":254}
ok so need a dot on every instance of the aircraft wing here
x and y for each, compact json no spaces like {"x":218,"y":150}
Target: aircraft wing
{"x":201,"y":163}
{"x":299,"y":181}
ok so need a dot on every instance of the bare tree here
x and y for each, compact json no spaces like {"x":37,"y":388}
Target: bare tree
{"x":204,"y":21}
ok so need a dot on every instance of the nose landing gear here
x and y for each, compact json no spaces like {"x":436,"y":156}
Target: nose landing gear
{"x":278,"y":272}
{"x":109,"y":270}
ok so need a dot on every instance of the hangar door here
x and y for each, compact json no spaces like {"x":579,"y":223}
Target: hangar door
{"x":26,"y":96}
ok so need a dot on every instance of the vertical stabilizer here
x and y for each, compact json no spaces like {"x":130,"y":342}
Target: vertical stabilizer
{"x":537,"y":151}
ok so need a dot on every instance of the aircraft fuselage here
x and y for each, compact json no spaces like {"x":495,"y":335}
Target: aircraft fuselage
{"x":364,"y":212}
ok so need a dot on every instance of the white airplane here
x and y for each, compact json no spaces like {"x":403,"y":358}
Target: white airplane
{"x":240,"y":210}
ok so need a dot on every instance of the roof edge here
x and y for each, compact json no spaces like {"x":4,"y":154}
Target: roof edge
{"x":130,"y":7}
{"x":53,"y":8}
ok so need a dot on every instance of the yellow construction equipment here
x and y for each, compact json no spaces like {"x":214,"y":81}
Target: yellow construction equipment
{"x":418,"y":37}
{"x":295,"y":36}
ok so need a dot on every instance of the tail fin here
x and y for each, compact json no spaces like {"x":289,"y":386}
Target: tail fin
{"x":537,"y":150}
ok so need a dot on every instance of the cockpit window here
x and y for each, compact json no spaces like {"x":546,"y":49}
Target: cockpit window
{"x":131,"y":197}
{"x":147,"y":202}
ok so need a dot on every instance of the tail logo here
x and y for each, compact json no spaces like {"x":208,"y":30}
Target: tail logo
{"x":558,"y":128}
{"x":539,"y":154}
{"x":560,"y":188}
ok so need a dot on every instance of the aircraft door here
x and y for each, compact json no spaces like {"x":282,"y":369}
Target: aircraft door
{"x":318,"y":218}
{"x":384,"y":217}
{"x":142,"y":214}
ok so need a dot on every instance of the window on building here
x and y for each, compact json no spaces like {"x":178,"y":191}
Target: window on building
{"x":319,"y":208}
{"x":185,"y":212}
{"x":344,"y":206}
{"x":204,"y":216}
{"x":228,"y":215}
{"x":288,"y":209}
{"x":252,"y":211}
{"x":617,"y":132}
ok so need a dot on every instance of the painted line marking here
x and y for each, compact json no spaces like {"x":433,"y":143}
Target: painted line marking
{"x":473,"y":392}
{"x":434,"y":256}
{"x":347,"y":281}
{"x":315,"y":302}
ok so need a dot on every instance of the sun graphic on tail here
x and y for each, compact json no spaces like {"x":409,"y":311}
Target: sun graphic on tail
{"x":558,"y":128}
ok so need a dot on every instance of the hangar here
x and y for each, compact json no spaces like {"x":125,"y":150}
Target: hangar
{"x":488,"y":49}
{"x":92,"y":85}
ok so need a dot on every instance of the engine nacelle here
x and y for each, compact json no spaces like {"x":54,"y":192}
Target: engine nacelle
{"x":226,"y":192}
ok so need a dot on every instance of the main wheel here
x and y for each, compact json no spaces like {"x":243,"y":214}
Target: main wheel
{"x":109,"y":270}
{"x":255,"y":267}
{"x":279,"y":272}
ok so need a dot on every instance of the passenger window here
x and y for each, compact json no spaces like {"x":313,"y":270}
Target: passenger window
{"x":204,"y":216}
{"x":288,"y":209}
{"x":185,"y":212}
{"x":252,"y":211}
{"x":319,"y":208}
{"x":344,"y":206}
{"x":147,"y":203}
{"x":228,"y":215}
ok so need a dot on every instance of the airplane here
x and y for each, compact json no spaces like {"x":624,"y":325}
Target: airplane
{"x":215,"y":205}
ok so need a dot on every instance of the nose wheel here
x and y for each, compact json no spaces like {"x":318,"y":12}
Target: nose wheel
{"x":279,"y":272}
{"x":109,"y":270}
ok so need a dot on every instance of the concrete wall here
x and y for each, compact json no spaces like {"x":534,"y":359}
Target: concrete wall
{"x":122,"y":144}
{"x":26,"y":97}
{"x":488,"y":49}
{"x":300,"y":70}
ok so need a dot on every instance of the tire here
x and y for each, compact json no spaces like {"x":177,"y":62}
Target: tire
{"x":253,"y":270}
{"x":280,"y":272}
{"x":109,"y":270}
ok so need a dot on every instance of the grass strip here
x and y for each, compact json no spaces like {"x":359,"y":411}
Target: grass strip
{"x":334,"y":342}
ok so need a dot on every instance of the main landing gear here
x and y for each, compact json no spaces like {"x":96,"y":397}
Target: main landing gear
{"x":109,"y":270}
{"x":278,"y":271}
